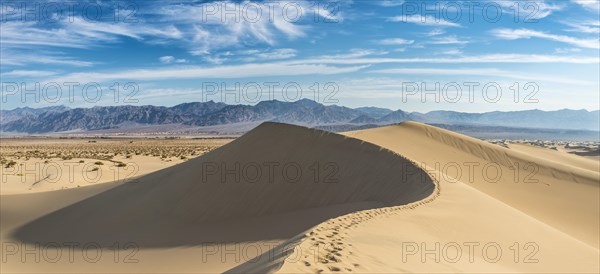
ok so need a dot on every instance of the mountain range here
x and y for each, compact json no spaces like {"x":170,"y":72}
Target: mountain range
{"x":303,"y":112}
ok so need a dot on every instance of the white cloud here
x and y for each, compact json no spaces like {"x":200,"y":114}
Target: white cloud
{"x":426,"y":20}
{"x":481,"y":72}
{"x":489,"y":58}
{"x":11,"y":57}
{"x":210,"y":28}
{"x":170,"y":59}
{"x":513,"y":34}
{"x":78,"y":33}
{"x":593,"y":5}
{"x":28,"y":73}
{"x":436,"y":32}
{"x":395,"y":42}
{"x":453,"y":52}
{"x":166,"y":59}
{"x":250,"y":55}
{"x":276,"y":54}
{"x":189,"y":24}
{"x":355,"y":53}
{"x":584,"y":26}
{"x":194,"y":72}
{"x":390,"y":3}
{"x":566,"y":50}
{"x":447,"y":40}
{"x":530,"y":10}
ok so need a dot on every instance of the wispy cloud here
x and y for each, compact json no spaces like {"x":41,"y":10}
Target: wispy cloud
{"x":250,"y":55}
{"x":566,"y":50}
{"x":78,"y":33}
{"x":453,"y":52}
{"x":426,"y":20}
{"x":28,"y":73}
{"x":482,"y":72}
{"x":513,"y":34}
{"x":593,"y":5}
{"x":11,"y":57}
{"x":529,"y":10}
{"x":276,"y":54}
{"x":196,"y":72}
{"x":436,"y":32}
{"x":208,"y":26}
{"x":171,"y":59}
{"x":584,"y":26}
{"x":489,"y":58}
{"x":447,"y":40}
{"x":356,"y":53}
{"x":201,"y":28}
{"x":394,"y":42}
{"x":390,"y":3}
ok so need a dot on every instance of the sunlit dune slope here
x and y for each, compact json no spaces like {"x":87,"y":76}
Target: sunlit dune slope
{"x":563,"y":196}
{"x":562,"y":158}
{"x":545,"y":221}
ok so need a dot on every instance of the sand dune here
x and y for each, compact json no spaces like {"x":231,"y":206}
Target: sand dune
{"x":560,"y":157}
{"x":269,"y":185}
{"x":556,"y":219}
{"x":564,"y":196}
{"x":322,"y":202}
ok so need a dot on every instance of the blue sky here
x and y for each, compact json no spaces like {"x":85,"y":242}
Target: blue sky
{"x":497,"y":55}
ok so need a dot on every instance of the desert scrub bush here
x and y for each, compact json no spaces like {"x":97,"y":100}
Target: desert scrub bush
{"x":81,"y":161}
{"x":93,"y":169}
{"x":10,"y":164}
{"x":98,"y":163}
{"x":120,"y":164}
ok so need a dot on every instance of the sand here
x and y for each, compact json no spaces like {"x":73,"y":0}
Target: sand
{"x":555,"y":220}
{"x":46,"y":164}
{"x":290,"y":179}
{"x":290,"y":199}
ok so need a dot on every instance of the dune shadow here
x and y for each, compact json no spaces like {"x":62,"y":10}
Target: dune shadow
{"x":182,"y":206}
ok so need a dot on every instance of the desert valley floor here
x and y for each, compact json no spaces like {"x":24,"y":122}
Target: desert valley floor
{"x":288,"y":199}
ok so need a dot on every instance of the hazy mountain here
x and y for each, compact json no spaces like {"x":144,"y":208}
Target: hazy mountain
{"x":375,"y":112}
{"x":560,"y":119}
{"x":397,"y":116}
{"x":364,"y":119}
{"x":197,"y":108}
{"x":306,"y":112}
{"x":95,"y":118}
{"x":18,"y":113}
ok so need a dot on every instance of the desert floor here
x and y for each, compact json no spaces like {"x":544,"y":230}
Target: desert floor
{"x":44,"y":164}
{"x":288,"y":199}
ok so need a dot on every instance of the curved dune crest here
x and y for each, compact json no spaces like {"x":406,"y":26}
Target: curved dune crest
{"x":499,"y":155}
{"x":555,"y":216}
{"x":564,"y":197}
{"x":275,"y":168}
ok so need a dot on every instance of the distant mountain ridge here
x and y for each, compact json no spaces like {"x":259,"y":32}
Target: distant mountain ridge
{"x":303,"y":112}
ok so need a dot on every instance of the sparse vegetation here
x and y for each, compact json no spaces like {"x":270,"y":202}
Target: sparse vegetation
{"x":10,"y":164}
{"x":104,"y":149}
